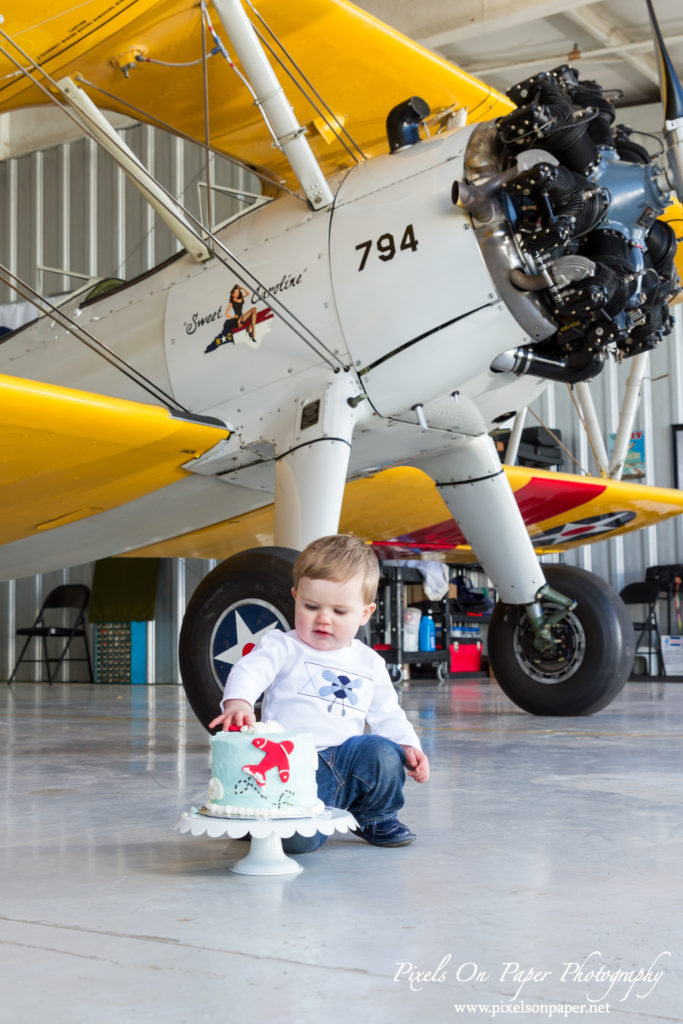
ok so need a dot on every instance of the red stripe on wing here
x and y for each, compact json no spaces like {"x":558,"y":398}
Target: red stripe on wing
{"x":538,"y":500}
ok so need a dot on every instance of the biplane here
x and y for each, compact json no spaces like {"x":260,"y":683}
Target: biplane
{"x":427,"y":254}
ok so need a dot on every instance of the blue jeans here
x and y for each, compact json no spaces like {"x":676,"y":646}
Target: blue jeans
{"x":365,"y":775}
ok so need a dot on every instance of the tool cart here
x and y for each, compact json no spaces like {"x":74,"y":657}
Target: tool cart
{"x":388,"y":622}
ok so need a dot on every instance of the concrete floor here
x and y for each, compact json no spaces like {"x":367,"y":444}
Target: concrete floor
{"x":546,"y":875}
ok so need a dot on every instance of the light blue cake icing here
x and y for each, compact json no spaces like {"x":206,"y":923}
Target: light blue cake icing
{"x":263,"y":771}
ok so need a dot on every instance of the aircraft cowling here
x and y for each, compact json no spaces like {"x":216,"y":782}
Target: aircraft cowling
{"x":419,"y":310}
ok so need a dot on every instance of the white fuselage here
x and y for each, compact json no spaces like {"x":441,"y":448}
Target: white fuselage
{"x":390,"y":280}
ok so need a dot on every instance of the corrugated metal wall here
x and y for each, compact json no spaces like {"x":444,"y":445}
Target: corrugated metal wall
{"x":70,"y":208}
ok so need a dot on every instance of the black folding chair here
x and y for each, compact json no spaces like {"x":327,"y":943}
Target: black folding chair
{"x":48,"y":625}
{"x":646,"y":593}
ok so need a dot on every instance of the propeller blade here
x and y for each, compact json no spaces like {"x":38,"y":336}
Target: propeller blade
{"x":672,"y":101}
{"x":669,"y":82}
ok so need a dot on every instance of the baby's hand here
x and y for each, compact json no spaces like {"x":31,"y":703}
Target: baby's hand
{"x":417,"y":762}
{"x":235,"y":713}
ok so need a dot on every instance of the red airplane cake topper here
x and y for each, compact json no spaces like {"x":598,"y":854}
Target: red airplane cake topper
{"x":275,"y":757}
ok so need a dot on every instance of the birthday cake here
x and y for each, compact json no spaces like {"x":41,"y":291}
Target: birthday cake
{"x":263,"y":771}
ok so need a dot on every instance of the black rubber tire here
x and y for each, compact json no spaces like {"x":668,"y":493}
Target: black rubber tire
{"x":598,"y":638}
{"x":442,"y":673}
{"x":258,"y":583}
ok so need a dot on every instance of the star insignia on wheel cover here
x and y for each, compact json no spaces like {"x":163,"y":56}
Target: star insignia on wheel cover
{"x":246,"y":640}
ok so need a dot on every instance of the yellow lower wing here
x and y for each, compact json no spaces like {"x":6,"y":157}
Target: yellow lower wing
{"x":400,"y":510}
{"x":66,"y":455}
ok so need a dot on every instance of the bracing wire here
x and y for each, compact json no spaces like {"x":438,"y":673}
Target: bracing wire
{"x":318,"y":111}
{"x":221,"y":47}
{"x":340,"y":129}
{"x":207,"y":129}
{"x":25,"y":290}
{"x":156,"y":121}
{"x":215,"y":246}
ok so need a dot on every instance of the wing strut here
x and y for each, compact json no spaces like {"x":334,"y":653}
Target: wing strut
{"x":613,"y":467}
{"x":628,"y":414}
{"x":592,"y":426}
{"x":276,"y":108}
{"x":515,"y":438}
{"x":95,"y":123}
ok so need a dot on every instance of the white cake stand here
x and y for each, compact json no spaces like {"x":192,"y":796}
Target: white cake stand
{"x":266,"y":856}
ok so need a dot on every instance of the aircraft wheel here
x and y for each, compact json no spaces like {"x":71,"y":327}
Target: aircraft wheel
{"x":240,"y":600}
{"x":591,"y":664}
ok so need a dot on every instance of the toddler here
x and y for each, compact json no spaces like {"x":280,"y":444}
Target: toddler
{"x":319,"y":678}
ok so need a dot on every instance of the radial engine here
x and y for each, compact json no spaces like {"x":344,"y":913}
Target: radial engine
{"x":566,"y":203}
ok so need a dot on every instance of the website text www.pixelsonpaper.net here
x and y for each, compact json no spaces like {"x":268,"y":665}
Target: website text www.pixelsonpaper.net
{"x":526,"y":1010}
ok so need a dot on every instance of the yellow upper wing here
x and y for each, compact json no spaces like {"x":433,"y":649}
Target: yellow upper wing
{"x":361,"y":67}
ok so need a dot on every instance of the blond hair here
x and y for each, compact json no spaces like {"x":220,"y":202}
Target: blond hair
{"x":339,"y":557}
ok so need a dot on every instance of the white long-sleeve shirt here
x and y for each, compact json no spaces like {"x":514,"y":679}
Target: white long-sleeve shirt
{"x":332,"y":694}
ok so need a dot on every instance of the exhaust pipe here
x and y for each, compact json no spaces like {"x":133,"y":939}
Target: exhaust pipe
{"x":671,"y":92}
{"x":526,"y":361}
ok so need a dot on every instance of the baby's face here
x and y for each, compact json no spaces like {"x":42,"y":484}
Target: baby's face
{"x":328,"y":614}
